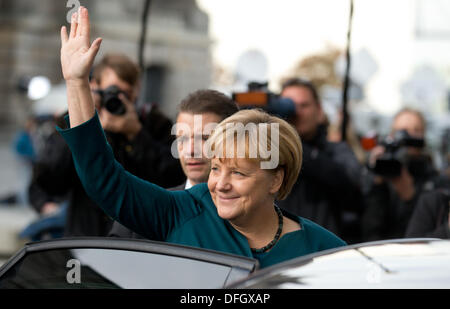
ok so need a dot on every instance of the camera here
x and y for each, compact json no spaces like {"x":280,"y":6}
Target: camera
{"x":109,"y":99}
{"x":258,"y":96}
{"x":396,"y":156}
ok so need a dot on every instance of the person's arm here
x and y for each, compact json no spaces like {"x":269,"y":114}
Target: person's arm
{"x":143,"y":207}
{"x":139,"y":205}
{"x":338,"y":173}
{"x":330,"y":168}
{"x":374,"y":219}
{"x":424,"y":221}
{"x":38,"y":197}
{"x":53,"y":174}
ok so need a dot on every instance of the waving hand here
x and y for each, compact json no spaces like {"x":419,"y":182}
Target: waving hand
{"x":77,"y":54}
{"x":77,"y":57}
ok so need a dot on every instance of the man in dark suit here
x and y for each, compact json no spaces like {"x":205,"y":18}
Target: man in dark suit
{"x":328,"y":189}
{"x":197,"y":116}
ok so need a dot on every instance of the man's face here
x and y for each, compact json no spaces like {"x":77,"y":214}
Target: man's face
{"x":194,"y":162}
{"x":409,"y":122}
{"x":110,"y":78}
{"x":308,"y":111}
{"x":413,"y":125}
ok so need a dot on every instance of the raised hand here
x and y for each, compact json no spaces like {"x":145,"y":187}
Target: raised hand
{"x":77,"y":54}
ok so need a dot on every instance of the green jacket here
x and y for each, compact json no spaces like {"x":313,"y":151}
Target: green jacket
{"x":186,"y":217}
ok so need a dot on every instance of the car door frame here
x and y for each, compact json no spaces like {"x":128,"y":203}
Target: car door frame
{"x":237,"y":264}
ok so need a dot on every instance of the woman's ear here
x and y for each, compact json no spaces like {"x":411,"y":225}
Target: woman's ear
{"x":277,"y":180}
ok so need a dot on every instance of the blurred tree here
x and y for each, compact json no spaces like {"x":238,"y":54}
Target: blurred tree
{"x":319,"y":68}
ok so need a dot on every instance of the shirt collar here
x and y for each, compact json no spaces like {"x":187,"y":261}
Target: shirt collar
{"x":188,"y":185}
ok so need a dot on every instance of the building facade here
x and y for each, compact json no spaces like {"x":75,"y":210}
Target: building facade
{"x":177,"y":57}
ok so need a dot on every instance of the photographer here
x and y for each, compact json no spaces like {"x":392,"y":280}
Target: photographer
{"x":327,"y":190}
{"x":140,"y":142}
{"x":402,"y":172}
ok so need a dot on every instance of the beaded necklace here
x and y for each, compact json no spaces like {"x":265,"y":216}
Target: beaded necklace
{"x":277,"y":235}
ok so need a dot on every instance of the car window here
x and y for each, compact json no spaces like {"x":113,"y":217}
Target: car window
{"x":111,"y":268}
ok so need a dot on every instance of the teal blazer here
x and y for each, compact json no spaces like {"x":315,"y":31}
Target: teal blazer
{"x":187,"y":217}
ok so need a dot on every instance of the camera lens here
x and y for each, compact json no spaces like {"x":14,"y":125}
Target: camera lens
{"x":115,"y":106}
{"x":111,"y":101}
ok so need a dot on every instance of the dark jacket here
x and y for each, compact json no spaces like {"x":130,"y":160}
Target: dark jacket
{"x":386,"y":216}
{"x":328,"y":186}
{"x":148,"y":156}
{"x":430,"y":218}
{"x":120,"y":231}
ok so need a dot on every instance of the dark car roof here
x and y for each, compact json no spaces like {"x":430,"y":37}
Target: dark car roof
{"x":135,"y":245}
{"x":401,"y":263}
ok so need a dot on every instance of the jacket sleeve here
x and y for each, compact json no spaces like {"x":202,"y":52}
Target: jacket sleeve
{"x":430,"y":218}
{"x":53,"y":173}
{"x":141,"y":206}
{"x":337,"y":171}
{"x":375,"y":215}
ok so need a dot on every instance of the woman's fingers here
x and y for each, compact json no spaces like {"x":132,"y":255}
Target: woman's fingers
{"x":73,"y":25}
{"x":94,"y":48}
{"x":129,"y":105}
{"x":64,"y":36}
{"x":80,"y":21}
{"x":84,"y":19}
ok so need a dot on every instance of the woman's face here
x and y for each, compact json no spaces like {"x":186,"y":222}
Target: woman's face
{"x":239,"y":187}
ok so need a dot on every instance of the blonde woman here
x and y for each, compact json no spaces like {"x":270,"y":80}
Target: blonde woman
{"x":234,"y":212}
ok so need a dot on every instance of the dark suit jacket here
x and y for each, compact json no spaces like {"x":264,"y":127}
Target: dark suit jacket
{"x":430,"y":217}
{"x":118,"y":230}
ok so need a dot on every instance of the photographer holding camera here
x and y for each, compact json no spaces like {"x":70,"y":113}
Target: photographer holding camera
{"x":402,"y":171}
{"x":327,"y":190}
{"x":140,"y":141}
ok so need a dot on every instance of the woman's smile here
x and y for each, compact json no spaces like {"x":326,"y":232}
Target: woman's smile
{"x":224,"y":199}
{"x":239,"y":187}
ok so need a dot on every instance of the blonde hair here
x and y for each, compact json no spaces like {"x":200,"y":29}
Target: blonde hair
{"x":260,"y":124}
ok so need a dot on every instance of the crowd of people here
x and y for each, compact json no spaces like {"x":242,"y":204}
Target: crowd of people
{"x":114,"y":188}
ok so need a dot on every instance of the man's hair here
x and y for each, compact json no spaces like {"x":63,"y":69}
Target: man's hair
{"x":208,"y":101}
{"x":124,"y":67}
{"x":298,"y":82}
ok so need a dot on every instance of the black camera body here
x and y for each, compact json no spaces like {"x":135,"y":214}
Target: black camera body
{"x":258,"y":96}
{"x":110,"y":100}
{"x":395,"y":157}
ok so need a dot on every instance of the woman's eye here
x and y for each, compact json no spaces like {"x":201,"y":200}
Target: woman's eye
{"x":238,"y":173}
